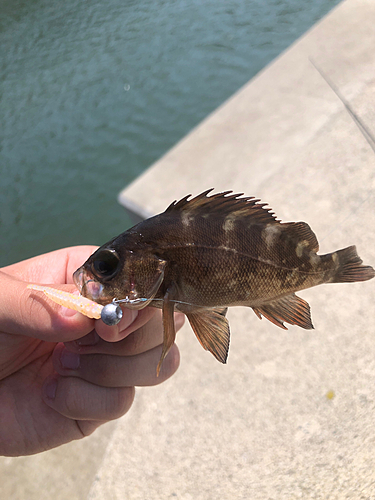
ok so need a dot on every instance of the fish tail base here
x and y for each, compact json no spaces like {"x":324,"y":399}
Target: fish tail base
{"x":350,"y":268}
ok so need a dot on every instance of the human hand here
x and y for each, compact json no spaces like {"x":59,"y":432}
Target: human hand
{"x":62,"y":374}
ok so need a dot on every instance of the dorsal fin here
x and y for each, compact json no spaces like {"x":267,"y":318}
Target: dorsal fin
{"x":303,"y":233}
{"x":224,"y":204}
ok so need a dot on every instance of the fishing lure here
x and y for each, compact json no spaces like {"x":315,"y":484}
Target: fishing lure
{"x":110,"y":314}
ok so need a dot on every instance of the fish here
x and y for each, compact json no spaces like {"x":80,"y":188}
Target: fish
{"x":214,"y":251}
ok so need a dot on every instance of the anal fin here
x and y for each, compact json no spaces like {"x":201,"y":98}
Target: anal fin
{"x":212,"y":330}
{"x":291,"y":309}
{"x":221,"y":310}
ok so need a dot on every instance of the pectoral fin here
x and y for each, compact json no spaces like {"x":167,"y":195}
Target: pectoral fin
{"x":291,"y":309}
{"x":212,"y":330}
{"x":168,"y":327}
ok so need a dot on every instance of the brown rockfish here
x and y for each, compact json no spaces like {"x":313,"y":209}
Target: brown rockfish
{"x":209,"y":253}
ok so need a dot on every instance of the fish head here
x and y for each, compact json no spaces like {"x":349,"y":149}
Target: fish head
{"x":132,"y":277}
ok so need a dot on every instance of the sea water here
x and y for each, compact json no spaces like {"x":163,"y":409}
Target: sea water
{"x":93,"y":92}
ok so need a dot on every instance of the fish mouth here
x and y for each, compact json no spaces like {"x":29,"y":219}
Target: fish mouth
{"x":87,"y":286}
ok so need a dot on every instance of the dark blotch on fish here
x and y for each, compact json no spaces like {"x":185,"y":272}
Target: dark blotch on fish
{"x":209,"y":253}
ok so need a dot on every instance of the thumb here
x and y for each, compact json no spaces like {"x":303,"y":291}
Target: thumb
{"x":26,"y":312}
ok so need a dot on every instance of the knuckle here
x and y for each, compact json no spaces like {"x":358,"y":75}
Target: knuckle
{"x":136,"y":342}
{"x":118,"y":402}
{"x":73,"y":400}
{"x":170,"y":363}
{"x":81,"y":401}
{"x":99,"y":369}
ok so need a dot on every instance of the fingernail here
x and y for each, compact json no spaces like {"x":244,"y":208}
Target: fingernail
{"x":91,"y":338}
{"x":50,"y":389}
{"x":69,"y":360}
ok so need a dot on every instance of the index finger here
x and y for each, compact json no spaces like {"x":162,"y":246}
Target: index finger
{"x":27,"y":312}
{"x":53,"y":267}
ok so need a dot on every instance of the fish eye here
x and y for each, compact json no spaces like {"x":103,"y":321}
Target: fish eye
{"x":106,"y":264}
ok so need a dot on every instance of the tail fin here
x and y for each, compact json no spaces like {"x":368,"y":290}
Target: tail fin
{"x":350,"y":267}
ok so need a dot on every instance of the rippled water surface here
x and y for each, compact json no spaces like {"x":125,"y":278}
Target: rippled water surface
{"x":93,"y":92}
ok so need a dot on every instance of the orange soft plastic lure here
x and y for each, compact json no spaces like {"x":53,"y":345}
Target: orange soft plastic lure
{"x":76,"y":302}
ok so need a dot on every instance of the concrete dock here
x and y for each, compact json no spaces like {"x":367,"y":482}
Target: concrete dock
{"x":292,"y":414}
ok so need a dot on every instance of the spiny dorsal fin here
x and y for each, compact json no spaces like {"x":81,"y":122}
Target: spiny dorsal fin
{"x":291,"y":309}
{"x":224,"y":204}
